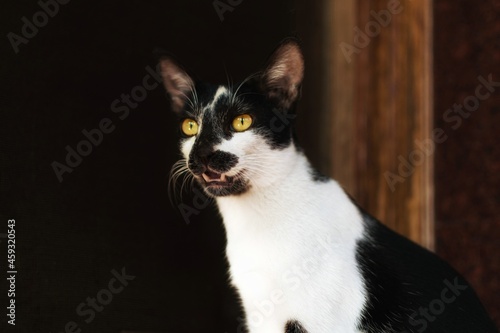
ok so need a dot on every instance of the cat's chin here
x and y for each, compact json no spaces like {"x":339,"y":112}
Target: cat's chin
{"x":233,"y":186}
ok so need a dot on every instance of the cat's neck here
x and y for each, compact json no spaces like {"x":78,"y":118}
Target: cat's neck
{"x":291,"y":170}
{"x":290,"y":187}
{"x":294,"y":207}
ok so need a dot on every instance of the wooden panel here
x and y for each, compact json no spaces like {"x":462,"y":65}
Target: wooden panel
{"x":379,"y":102}
{"x":467,"y":164}
{"x":340,"y":17}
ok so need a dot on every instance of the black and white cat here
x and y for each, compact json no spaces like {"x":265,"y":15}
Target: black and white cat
{"x":302,"y":255}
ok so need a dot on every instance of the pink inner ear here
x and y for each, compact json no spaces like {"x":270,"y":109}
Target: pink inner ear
{"x":177,"y":83}
{"x":284,"y":74}
{"x":287,"y":63}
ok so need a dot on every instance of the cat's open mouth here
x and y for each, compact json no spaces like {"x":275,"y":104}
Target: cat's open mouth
{"x":220,"y":184}
{"x":216,"y":179}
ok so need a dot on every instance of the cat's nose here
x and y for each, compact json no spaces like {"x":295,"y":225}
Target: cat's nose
{"x":198,"y":165}
{"x":218,"y":162}
{"x":199,"y":158}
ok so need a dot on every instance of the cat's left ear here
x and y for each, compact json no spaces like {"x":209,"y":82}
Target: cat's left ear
{"x":177,"y":83}
{"x":284,"y":73}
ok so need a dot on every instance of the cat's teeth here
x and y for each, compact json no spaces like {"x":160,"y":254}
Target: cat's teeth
{"x":207,"y":179}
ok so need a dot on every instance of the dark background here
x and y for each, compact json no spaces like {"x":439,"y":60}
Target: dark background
{"x":467,"y":164}
{"x":113,"y":210}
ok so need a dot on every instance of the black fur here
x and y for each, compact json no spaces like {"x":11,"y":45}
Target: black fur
{"x":274,"y":124}
{"x":217,"y":125}
{"x":293,"y":326}
{"x":222,"y":161}
{"x":318,"y":176}
{"x":269,"y":119}
{"x":411,"y":290}
{"x":219,"y":161}
{"x":269,"y":97}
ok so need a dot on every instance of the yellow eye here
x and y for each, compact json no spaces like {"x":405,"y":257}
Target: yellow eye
{"x":242,"y":123}
{"x":189,"y":127}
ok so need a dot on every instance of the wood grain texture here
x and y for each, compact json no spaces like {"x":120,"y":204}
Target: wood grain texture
{"x":368,"y":112}
{"x":468,"y":162}
{"x":339,"y":17}
{"x":379,"y":103}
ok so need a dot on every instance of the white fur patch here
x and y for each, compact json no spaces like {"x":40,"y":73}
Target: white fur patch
{"x":292,"y":244}
{"x":187,"y":145}
{"x":221,"y":91}
{"x":291,"y":241}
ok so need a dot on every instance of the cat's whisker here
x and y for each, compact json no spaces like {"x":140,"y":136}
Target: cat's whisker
{"x":178,"y":169}
{"x":255,"y":163}
{"x":193,"y":179}
{"x":245,"y":94}
{"x":248,"y":78}
{"x":280,"y":217}
{"x":195,"y":95}
{"x":253,"y":170}
{"x":192,"y":104}
{"x":229,"y":82}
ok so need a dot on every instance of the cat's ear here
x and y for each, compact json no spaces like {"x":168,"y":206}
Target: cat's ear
{"x":176,"y":81}
{"x":283,"y":75}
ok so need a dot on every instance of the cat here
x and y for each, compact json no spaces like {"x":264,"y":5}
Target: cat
{"x":303,"y":256}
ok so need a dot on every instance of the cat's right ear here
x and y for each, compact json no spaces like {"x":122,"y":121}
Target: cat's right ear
{"x":177,"y":83}
{"x":284,"y":73}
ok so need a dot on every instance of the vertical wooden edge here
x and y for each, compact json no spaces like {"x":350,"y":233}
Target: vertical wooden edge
{"x":419,"y":212}
{"x":421,"y":195}
{"x":346,"y":100}
{"x":339,"y":19}
{"x":428,"y":228}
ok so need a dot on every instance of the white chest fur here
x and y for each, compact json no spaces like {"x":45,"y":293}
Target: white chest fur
{"x":291,"y":248}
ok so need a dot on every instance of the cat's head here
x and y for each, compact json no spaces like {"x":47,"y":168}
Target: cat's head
{"x":238,"y":138}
